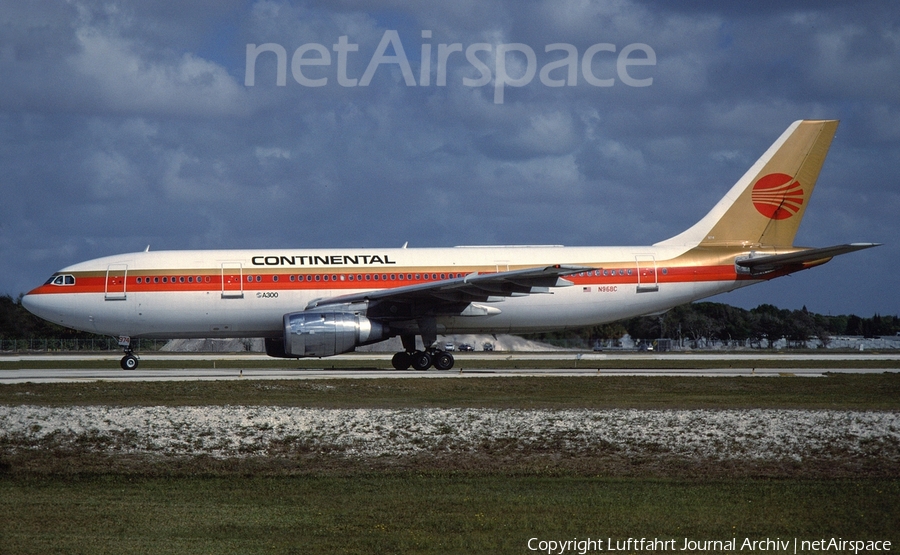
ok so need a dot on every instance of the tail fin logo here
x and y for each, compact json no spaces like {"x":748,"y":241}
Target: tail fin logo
{"x":777,"y":196}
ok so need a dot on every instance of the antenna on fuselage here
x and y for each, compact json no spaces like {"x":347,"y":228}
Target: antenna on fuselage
{"x":147,"y":249}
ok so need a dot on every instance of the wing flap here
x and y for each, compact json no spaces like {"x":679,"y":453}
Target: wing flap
{"x":453,"y":296}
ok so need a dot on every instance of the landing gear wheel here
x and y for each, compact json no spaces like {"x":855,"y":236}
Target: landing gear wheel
{"x":129,"y":362}
{"x":421,"y":360}
{"x":401,"y":361}
{"x":443,"y":361}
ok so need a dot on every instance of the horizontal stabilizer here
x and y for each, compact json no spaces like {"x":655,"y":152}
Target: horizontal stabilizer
{"x":768,"y":263}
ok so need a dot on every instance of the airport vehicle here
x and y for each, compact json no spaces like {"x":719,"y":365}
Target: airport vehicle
{"x":317,"y":303}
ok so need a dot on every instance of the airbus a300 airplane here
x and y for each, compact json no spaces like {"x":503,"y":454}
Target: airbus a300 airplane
{"x":317,"y":303}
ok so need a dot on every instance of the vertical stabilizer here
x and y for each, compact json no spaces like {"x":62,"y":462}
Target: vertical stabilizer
{"x":766,"y":205}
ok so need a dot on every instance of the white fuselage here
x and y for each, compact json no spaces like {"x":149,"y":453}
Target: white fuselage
{"x":245,"y":293}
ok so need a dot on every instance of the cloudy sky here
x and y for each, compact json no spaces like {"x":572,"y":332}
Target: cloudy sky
{"x":124,"y":124}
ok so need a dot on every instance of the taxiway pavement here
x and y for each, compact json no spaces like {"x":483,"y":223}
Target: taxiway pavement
{"x":467,"y":366}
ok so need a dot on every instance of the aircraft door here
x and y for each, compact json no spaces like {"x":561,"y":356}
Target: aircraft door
{"x":116,"y":275}
{"x":646,"y":273}
{"x":232,"y":280}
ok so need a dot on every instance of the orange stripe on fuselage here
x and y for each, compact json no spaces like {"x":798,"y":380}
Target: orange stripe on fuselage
{"x":198,"y":281}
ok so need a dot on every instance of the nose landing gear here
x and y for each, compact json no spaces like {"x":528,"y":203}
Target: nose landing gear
{"x":129,"y":361}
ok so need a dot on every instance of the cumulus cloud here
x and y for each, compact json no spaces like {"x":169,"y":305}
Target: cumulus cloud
{"x":124,"y":82}
{"x":75,"y":57}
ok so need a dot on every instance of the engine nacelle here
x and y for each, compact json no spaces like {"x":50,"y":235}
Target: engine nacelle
{"x":328,"y":332}
{"x":275,"y":347}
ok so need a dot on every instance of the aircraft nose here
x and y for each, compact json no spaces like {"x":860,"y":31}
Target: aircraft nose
{"x":28,"y":301}
{"x":48,"y":307}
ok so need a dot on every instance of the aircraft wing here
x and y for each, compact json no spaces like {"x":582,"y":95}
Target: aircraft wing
{"x":455,"y":296}
{"x":808,"y":257}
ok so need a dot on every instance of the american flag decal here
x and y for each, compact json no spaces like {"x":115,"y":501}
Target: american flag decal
{"x":586,"y":289}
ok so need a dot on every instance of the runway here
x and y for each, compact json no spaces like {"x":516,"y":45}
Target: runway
{"x":468,"y":366}
{"x":113,"y":357}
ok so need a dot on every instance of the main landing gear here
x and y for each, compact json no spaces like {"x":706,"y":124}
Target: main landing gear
{"x":129,"y":361}
{"x":421,"y":360}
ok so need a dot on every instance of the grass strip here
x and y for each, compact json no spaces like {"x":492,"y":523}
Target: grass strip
{"x":423,"y":512}
{"x":836,"y":391}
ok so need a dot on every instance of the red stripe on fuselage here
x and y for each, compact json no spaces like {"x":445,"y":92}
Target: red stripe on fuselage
{"x":155,"y":282}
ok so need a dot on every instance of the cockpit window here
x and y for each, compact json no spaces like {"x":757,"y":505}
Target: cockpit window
{"x":61,"y":279}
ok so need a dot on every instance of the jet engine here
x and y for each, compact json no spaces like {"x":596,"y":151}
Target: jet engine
{"x":314,"y":333}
